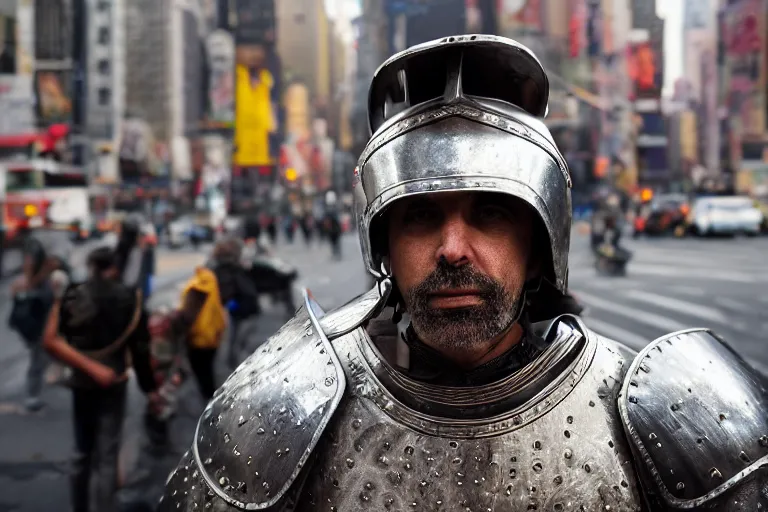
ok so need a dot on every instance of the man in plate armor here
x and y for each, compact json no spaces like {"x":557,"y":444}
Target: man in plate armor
{"x":464,"y":216}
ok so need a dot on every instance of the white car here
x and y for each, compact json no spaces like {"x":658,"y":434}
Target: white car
{"x":727,"y":215}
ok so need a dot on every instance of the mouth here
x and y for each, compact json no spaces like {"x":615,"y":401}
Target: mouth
{"x":455,"y":298}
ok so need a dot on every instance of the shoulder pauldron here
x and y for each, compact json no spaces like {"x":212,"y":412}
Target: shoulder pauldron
{"x":697,"y":417}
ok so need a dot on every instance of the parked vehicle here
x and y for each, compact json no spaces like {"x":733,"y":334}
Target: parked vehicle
{"x":725,"y":215}
{"x":664,"y":215}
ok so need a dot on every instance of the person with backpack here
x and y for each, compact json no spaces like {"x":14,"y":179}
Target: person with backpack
{"x":93,"y":328}
{"x":44,"y":275}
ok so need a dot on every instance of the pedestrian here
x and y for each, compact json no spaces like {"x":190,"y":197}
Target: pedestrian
{"x":135,"y":254}
{"x":333,"y":230}
{"x":308,"y":227}
{"x":92,"y":329}
{"x":237,"y":292}
{"x":32,"y":297}
{"x":200,"y":324}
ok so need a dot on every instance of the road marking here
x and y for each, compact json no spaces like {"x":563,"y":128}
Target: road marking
{"x":730,"y":303}
{"x":681,"y":306}
{"x":692,"y":273}
{"x":650,"y":319}
{"x":617,"y":333}
{"x":690,"y":290}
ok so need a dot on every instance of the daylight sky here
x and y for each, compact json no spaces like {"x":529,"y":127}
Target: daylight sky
{"x":672,"y":12}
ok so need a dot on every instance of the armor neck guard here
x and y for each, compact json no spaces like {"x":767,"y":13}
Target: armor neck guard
{"x":506,"y":404}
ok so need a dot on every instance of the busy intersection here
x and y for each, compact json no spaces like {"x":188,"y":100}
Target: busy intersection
{"x":670,"y":285}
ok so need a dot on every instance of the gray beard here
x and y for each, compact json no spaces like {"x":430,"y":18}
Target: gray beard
{"x":462,"y":328}
{"x":465,"y":328}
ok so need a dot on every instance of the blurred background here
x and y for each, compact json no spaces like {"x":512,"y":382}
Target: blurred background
{"x":201,"y":114}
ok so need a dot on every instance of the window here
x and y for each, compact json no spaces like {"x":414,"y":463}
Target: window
{"x":105,"y":96}
{"x":104,"y":35}
{"x":104,"y":67}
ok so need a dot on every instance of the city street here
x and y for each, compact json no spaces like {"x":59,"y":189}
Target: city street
{"x":671,"y":285}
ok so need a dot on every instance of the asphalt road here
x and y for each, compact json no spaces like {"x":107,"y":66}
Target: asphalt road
{"x":672,"y":285}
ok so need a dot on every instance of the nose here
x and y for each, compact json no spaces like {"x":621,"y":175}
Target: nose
{"x":454,"y":247}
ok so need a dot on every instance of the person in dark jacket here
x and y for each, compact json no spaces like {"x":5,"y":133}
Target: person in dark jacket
{"x":92,"y":328}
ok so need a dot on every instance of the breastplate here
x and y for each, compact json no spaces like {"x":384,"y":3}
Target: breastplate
{"x":396,"y":444}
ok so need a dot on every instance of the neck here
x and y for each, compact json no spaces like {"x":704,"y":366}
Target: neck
{"x":470,"y":358}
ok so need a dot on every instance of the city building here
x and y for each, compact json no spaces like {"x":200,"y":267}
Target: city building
{"x":105,"y":79}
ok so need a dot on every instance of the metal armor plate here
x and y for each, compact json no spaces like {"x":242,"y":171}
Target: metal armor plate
{"x":262,"y":425}
{"x":561,"y":450}
{"x":697,"y":416}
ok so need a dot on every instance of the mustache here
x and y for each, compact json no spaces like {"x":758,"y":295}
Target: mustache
{"x":450,"y":276}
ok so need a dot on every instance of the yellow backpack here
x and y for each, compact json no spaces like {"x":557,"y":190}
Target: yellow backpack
{"x":209,"y":326}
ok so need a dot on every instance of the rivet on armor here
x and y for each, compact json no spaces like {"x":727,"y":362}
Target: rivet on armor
{"x":715,"y":473}
{"x":242,"y":487}
{"x":633,"y":399}
{"x":644,"y":368}
{"x":723,"y":417}
{"x":384,"y":461}
{"x":208,"y":461}
{"x":558,"y":507}
{"x":350,"y":463}
{"x":587,"y":468}
{"x":745,"y":458}
{"x":517,"y":420}
{"x":227,"y":438}
{"x":409,"y":450}
{"x":764,"y":441}
{"x":512,"y":473}
{"x":513,"y":459}
{"x":633,"y":383}
{"x":652,"y":436}
{"x":610,"y":443}
{"x":658,"y":445}
{"x":591,"y":403}
{"x":567,"y":434}
{"x":408,"y":466}
{"x":680,"y":486}
{"x":457,"y":460}
{"x":242,"y":421}
{"x":223,"y":481}
{"x":365,"y":497}
{"x":558,"y":480}
{"x":236,"y":451}
{"x":329,"y":381}
{"x":675,"y":406}
{"x":356,"y":424}
{"x":568,"y":453}
{"x":335,"y":483}
{"x":394,"y":477}
{"x":537,"y":467}
{"x":569,"y":419}
{"x":453,"y":444}
{"x":260,"y":431}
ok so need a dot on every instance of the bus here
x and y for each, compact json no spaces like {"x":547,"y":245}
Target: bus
{"x":41,"y":193}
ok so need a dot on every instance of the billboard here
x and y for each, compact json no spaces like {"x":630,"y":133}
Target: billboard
{"x":644,"y":70}
{"x":54,"y":101}
{"x":220,"y":49}
{"x":254,"y":114}
{"x":744,"y":75}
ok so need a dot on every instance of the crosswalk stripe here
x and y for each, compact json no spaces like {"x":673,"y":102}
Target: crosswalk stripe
{"x":650,"y":319}
{"x":681,"y":306}
{"x":616,"y":333}
{"x":692,"y":273}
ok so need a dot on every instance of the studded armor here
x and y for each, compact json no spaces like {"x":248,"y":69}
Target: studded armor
{"x":309,"y":424}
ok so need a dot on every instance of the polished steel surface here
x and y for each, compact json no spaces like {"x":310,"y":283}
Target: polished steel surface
{"x":567,"y":451}
{"x":697,"y":415}
{"x":458,"y":147}
{"x":258,"y":432}
{"x":504,"y":59}
{"x":350,"y":316}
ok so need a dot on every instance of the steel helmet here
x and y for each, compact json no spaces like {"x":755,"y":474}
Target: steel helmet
{"x":461,"y":114}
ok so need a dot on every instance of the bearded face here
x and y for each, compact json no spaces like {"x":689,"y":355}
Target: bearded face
{"x":460,"y":260}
